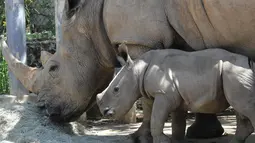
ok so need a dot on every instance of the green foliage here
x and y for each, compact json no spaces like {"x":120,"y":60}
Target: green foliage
{"x":45,"y":35}
{"x":2,"y":17}
{"x":4,"y":84}
{"x":39,"y":16}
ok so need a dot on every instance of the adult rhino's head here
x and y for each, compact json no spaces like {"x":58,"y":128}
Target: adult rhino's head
{"x":82,"y":66}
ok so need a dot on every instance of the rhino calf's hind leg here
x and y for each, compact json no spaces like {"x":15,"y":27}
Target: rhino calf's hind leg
{"x":244,"y":129}
{"x":239,"y":88}
{"x":143,"y":134}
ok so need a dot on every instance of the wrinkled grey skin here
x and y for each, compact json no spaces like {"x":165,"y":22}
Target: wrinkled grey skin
{"x":84,"y":64}
{"x":207,"y":81}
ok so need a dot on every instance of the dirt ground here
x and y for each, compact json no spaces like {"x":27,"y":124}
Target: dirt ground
{"x":24,"y":123}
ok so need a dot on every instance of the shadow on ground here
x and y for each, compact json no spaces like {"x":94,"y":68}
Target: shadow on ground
{"x":24,"y":123}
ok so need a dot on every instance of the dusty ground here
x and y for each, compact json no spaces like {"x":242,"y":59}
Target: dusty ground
{"x":24,"y":123}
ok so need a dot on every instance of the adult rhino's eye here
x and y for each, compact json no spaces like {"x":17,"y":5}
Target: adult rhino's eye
{"x":116,"y":89}
{"x":53,"y":71}
{"x":53,"y":68}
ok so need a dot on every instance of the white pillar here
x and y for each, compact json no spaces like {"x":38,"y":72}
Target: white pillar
{"x":59,"y":6}
{"x":16,"y":39}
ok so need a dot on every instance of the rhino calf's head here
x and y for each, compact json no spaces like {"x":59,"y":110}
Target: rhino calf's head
{"x":118,"y":98}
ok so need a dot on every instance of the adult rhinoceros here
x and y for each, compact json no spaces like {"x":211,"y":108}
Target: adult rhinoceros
{"x":84,"y":64}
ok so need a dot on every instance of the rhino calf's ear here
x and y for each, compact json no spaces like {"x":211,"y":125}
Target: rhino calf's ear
{"x":121,"y":60}
{"x":123,"y":48}
{"x":123,"y":51}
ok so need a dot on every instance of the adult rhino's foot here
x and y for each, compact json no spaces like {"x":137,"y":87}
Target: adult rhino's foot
{"x":161,"y":139}
{"x":143,"y":134}
{"x":205,"y":126}
{"x":144,"y":138}
{"x":237,"y":141}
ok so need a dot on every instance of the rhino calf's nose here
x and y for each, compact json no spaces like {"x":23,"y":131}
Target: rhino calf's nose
{"x":108,"y":112}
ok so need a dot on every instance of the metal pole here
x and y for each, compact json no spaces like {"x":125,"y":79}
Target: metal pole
{"x":16,"y":39}
{"x":59,"y":6}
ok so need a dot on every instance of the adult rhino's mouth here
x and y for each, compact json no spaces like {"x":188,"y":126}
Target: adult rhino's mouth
{"x":62,"y":111}
{"x":59,"y":113}
{"x":56,"y":115}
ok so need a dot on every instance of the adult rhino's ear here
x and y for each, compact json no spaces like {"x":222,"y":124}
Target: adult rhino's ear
{"x":71,"y":6}
{"x":45,"y":56}
{"x":123,"y":52}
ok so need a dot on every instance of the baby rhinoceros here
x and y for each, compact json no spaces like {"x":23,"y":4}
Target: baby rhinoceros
{"x":206,"y":81}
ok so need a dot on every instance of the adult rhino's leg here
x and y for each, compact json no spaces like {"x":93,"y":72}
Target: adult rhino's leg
{"x":130,"y":117}
{"x":178,"y":124}
{"x":143,"y":134}
{"x":94,"y":113}
{"x":205,"y":126}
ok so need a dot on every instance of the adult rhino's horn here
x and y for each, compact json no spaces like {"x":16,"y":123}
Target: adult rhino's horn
{"x":28,"y":76}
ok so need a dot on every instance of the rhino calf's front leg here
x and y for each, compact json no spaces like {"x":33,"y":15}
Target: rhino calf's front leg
{"x":143,"y":134}
{"x":162,"y":106}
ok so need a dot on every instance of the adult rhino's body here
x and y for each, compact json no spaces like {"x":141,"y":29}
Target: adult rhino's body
{"x":84,"y":63}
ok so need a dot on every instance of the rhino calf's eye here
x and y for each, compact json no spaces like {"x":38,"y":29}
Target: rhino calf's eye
{"x":116,"y":89}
